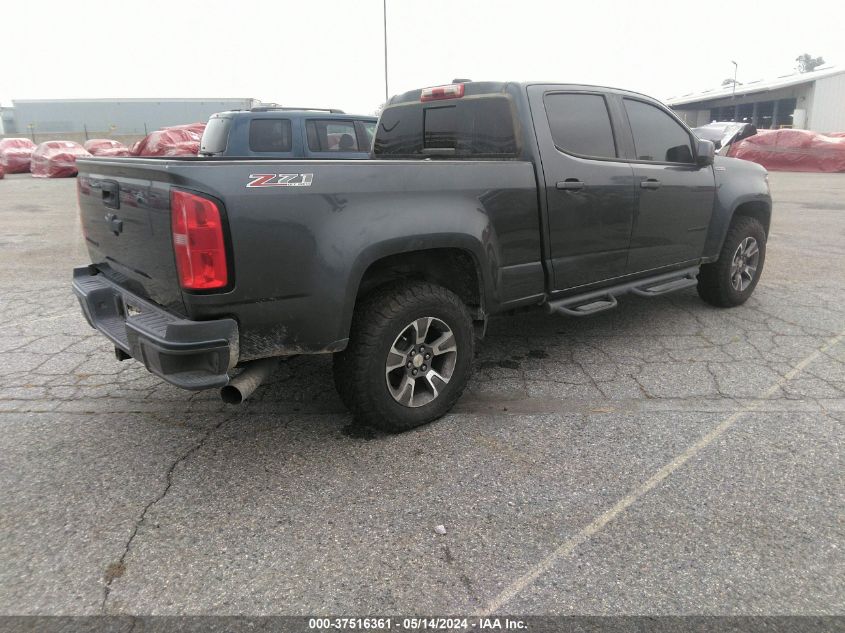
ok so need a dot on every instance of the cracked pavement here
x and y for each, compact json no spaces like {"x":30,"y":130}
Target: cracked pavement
{"x":122,"y":494}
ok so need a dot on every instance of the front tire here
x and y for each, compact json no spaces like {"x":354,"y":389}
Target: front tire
{"x":730,"y":280}
{"x":409,"y":356}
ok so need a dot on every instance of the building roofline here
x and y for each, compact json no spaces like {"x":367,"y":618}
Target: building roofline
{"x":759,"y":85}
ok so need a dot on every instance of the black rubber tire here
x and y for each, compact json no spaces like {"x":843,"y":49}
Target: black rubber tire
{"x":359,"y":370}
{"x":714,"y":280}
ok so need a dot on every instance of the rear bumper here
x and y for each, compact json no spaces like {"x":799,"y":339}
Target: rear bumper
{"x":189,"y":354}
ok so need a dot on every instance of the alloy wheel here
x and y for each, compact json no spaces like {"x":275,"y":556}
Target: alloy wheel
{"x":744,"y":264}
{"x":421,"y":362}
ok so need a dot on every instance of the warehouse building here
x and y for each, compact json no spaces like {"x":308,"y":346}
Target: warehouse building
{"x":109,"y":116}
{"x":810,"y":101}
{"x":7,"y":118}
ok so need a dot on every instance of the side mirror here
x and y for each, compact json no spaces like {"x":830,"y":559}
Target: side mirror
{"x":747,"y":130}
{"x":704,"y":152}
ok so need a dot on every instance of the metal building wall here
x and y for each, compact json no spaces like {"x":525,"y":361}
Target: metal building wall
{"x":827,"y":113}
{"x":694,"y":118}
{"x":7,"y":121}
{"x":132,"y":116}
{"x":700,"y":111}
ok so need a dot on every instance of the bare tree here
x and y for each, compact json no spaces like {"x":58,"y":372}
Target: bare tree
{"x":729,"y":81}
{"x":807,"y":63}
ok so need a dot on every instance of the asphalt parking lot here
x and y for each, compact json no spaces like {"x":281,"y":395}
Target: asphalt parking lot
{"x":665,"y":458}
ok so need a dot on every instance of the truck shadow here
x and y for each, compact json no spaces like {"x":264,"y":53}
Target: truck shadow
{"x":519,"y":350}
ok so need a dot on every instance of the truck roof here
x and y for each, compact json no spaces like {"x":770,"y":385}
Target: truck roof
{"x":475,"y":88}
{"x":323,"y":113}
{"x":274,"y":106}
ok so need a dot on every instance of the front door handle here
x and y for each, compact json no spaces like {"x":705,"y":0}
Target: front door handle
{"x":650,"y":183}
{"x":570,"y":184}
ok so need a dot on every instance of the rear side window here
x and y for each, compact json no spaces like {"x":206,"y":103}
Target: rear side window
{"x":270,"y":135}
{"x":657,"y":136}
{"x":470,"y":127}
{"x":332,"y":136}
{"x":215,"y":137}
{"x":580,"y":124}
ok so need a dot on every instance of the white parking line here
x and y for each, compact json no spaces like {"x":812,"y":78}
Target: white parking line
{"x":566,"y":548}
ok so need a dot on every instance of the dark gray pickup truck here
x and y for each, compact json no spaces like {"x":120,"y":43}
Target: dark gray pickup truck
{"x":480,"y":198}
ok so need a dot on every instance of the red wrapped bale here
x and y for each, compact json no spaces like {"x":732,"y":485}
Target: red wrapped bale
{"x":15,"y":154}
{"x":197,"y":128}
{"x":185,"y":148}
{"x":105,"y":147}
{"x":792,"y":150}
{"x":158,"y":143}
{"x":16,"y":160}
{"x":56,"y":159}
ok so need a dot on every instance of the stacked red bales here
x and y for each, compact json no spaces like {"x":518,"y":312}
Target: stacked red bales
{"x":793,"y":150}
{"x":198,"y":128}
{"x":56,"y":159}
{"x":15,"y":154}
{"x":179,"y":140}
{"x":105,"y":147}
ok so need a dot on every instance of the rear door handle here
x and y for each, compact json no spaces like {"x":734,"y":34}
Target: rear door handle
{"x":570,"y":184}
{"x":650,"y":183}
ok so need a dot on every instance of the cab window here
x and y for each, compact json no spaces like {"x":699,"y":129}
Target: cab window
{"x":332,"y":136}
{"x":481,"y":127}
{"x":215,"y":138}
{"x":440,"y":127}
{"x":580,"y":124}
{"x":657,"y":136}
{"x":270,"y":135}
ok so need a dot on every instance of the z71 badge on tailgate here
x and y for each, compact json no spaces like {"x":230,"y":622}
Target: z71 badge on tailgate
{"x":280,"y":180}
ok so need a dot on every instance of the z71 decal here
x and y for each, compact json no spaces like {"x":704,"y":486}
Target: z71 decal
{"x":280,"y":180}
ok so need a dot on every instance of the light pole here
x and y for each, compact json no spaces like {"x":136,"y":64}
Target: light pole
{"x":736,"y":67}
{"x":384,"y":12}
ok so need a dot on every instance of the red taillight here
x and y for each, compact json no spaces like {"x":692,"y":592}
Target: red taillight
{"x":450,"y":91}
{"x":198,"y":241}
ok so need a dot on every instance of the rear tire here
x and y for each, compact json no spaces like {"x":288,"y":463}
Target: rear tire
{"x":730,"y":280}
{"x":409,"y":356}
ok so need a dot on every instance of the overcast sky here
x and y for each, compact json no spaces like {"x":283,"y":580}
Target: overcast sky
{"x":329,"y":53}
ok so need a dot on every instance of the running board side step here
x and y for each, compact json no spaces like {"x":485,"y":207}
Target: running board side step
{"x":585,"y":307}
{"x":605,"y":299}
{"x":665,"y":287}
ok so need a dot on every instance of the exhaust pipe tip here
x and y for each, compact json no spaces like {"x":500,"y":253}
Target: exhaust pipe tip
{"x":231,"y":395}
{"x":241,"y":386}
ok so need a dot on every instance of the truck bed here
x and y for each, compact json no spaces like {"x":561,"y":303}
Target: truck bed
{"x":297,"y":247}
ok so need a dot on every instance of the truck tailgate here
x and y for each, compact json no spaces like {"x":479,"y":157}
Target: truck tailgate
{"x":126,"y":223}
